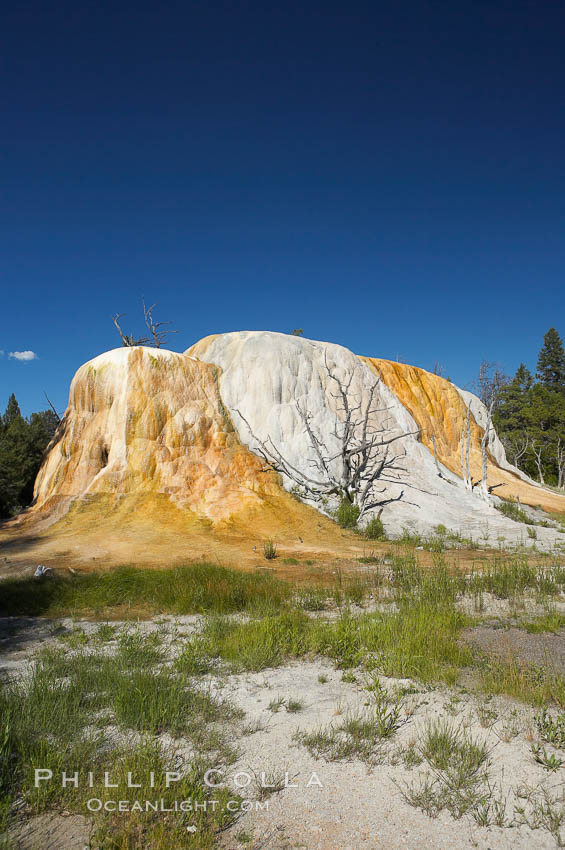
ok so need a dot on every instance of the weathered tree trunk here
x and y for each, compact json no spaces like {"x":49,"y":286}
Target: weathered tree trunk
{"x":466,"y":450}
{"x":484,"y":443}
{"x":560,"y":463}
{"x":537,"y":450}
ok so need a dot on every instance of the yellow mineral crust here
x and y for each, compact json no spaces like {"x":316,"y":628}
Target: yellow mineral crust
{"x":144,"y":420}
{"x":439,"y":410}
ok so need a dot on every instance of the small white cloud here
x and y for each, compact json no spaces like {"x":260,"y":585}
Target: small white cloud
{"x":23,"y":355}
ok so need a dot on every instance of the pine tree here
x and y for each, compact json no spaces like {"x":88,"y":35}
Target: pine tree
{"x":551,"y":362}
{"x":511,"y":418}
{"x":513,"y":401}
{"x":12,"y":411}
{"x":22,"y":444}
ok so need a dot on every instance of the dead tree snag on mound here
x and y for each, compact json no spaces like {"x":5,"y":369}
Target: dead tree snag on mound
{"x":158,"y":336}
{"x":465,"y":450}
{"x":363,"y":458}
{"x":490,"y":382}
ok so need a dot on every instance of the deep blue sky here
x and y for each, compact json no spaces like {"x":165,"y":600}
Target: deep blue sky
{"x":387,"y":176}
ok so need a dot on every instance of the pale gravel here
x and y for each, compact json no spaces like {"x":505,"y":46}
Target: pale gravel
{"x":358,"y":807}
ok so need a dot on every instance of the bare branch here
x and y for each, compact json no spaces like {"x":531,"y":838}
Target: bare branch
{"x":158,"y":336}
{"x":52,"y":406}
{"x":128,"y":340}
{"x":362,"y":459}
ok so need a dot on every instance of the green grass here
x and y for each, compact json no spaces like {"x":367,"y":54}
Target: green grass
{"x":312,"y":599}
{"x":513,"y":511}
{"x":540,"y":686}
{"x":449,"y":749}
{"x":420,"y":640}
{"x":131,"y":592}
{"x":56,"y":716}
{"x":138,"y":650}
{"x":507,"y":578}
{"x":550,"y":622}
{"x":190,"y":589}
{"x":551,"y":729}
{"x":194,"y":659}
{"x":356,"y":738}
{"x":361,"y":735}
{"x":458,"y":772}
{"x":59,"y":713}
{"x":259,"y":644}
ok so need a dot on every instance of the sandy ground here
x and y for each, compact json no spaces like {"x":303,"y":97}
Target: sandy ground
{"x":361,"y":807}
{"x":336,"y":805}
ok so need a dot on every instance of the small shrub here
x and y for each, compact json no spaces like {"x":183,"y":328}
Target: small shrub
{"x":270,"y":550}
{"x":410,"y":538}
{"x":486,"y":715}
{"x":347,"y":514}
{"x":267,"y":784}
{"x":411,"y":757}
{"x":551,"y":729}
{"x":549,"y":761}
{"x":361,"y":736}
{"x":459,"y":771}
{"x":375,"y":530}
{"x":349,"y":678}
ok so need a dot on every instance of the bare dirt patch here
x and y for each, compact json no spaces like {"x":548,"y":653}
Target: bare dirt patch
{"x":509,"y":643}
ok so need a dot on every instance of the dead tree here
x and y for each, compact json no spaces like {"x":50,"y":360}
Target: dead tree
{"x":484,"y":443}
{"x":158,"y":336}
{"x":128,"y":340}
{"x":52,"y":406}
{"x":364,"y":457}
{"x":560,"y":458}
{"x":465,"y":451}
{"x":516,"y":446}
{"x":537,"y":450}
{"x":490,"y":382}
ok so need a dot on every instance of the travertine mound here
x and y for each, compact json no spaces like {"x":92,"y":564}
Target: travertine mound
{"x":143,"y":420}
{"x":146,"y":425}
{"x":264,"y":375}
